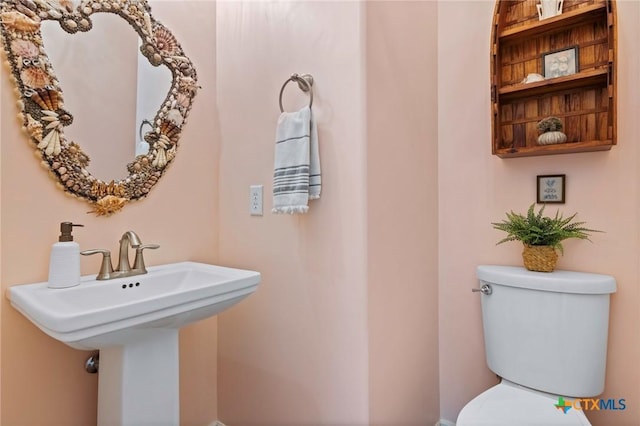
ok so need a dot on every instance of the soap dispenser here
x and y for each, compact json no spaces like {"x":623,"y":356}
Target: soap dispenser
{"x":64,"y":263}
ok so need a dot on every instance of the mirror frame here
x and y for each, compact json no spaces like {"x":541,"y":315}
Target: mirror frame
{"x":41,"y":99}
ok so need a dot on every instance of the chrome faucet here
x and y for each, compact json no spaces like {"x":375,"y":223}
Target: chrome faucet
{"x":123,"y":269}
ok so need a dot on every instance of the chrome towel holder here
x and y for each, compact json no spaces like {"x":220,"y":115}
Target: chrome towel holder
{"x":305,"y":83}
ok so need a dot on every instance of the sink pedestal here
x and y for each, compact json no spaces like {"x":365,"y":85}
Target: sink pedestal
{"x":134,"y":322}
{"x":138,"y":383}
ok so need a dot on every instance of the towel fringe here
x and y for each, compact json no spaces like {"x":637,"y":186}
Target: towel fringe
{"x":290,"y":209}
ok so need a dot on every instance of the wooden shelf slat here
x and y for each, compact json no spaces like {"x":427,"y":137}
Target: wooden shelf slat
{"x":581,"y":79}
{"x":562,"y":148}
{"x":572,"y":17}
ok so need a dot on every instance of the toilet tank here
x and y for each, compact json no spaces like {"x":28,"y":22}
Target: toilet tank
{"x":547,"y":330}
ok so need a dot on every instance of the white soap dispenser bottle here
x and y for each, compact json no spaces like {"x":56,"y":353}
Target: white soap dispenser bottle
{"x":64,"y":263}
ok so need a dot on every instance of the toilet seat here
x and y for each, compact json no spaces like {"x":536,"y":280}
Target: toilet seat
{"x":513,"y":405}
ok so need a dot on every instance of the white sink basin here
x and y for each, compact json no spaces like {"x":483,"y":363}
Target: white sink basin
{"x":98,"y":314}
{"x":134,"y":322}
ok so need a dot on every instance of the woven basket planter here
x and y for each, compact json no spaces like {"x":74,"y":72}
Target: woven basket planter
{"x":539,"y":258}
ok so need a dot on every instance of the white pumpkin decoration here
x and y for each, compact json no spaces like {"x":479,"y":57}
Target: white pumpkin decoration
{"x":549,"y":138}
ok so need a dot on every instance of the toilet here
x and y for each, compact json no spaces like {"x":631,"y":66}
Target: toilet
{"x":545,"y":336}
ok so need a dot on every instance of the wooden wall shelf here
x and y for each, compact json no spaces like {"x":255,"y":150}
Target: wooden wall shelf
{"x":565,"y":148}
{"x":577,"y":16}
{"x":587,"y":78}
{"x":584,"y":101}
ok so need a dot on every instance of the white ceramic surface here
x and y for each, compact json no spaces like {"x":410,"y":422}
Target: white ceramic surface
{"x":98,"y":314}
{"x":508,"y":404}
{"x":134,"y":322}
{"x":547,"y":330}
{"x":545,"y":334}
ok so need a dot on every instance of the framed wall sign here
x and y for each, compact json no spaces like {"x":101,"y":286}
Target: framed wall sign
{"x":551,"y":189}
{"x":560,"y":63}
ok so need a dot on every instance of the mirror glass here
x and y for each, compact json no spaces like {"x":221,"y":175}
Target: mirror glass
{"x":110,"y":52}
{"x":128,"y":88}
{"x":152,"y":85}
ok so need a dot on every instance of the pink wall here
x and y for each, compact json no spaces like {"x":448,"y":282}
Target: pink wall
{"x":402,"y":212}
{"x":476,"y":189}
{"x":43,"y":381}
{"x":343,"y":329}
{"x":3,"y":94}
{"x":348,"y":321}
{"x":295,"y":352}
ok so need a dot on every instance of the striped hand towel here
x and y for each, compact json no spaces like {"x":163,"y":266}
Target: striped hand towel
{"x":296,"y":176}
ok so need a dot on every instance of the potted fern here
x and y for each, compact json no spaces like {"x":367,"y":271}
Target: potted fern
{"x":542,"y":236}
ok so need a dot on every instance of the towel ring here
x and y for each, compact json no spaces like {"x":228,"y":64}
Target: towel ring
{"x":148,"y":123}
{"x":305,"y":83}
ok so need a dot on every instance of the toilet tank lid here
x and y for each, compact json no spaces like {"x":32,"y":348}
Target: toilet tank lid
{"x":556,"y":281}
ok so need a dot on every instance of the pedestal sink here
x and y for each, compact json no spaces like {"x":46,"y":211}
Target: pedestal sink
{"x":134,"y":322}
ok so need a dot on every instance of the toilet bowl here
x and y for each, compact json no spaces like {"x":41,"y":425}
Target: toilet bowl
{"x":525,"y":318}
{"x":508,"y":404}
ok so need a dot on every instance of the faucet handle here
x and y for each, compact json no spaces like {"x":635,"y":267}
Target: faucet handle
{"x":106,"y":269}
{"x":138,"y":264}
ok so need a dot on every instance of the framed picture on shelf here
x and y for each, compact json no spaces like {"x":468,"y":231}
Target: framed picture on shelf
{"x":550,"y":189}
{"x":560,"y":63}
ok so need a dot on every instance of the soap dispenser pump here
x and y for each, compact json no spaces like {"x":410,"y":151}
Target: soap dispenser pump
{"x":64,"y":263}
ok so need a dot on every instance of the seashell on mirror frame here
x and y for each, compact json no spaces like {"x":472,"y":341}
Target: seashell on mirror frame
{"x":41,"y":100}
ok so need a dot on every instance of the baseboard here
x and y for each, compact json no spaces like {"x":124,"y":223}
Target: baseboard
{"x":217,"y":423}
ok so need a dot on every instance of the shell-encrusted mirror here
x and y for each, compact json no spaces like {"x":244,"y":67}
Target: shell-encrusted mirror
{"x":41,"y":102}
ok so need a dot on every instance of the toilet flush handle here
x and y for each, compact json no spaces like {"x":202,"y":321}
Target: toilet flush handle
{"x":485,"y":289}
